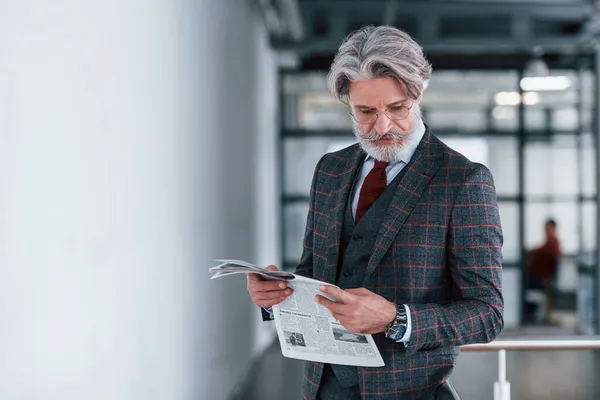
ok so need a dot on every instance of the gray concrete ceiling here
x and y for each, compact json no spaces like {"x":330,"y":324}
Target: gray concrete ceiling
{"x":491,"y":30}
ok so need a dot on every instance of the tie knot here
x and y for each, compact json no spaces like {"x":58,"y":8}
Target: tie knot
{"x":381,"y":164}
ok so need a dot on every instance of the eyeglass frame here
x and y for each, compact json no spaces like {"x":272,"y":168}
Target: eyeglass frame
{"x":385,"y":112}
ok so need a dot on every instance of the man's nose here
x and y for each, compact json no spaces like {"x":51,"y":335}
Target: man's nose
{"x":383,"y":124}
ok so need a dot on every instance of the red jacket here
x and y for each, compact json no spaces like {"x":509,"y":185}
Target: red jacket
{"x":543,"y":261}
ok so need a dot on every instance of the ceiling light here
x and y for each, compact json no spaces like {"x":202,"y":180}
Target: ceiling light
{"x":531,"y":98}
{"x":507,"y":98}
{"x":542,"y":83}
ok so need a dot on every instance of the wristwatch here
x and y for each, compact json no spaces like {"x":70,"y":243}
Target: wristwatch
{"x":397,"y":328}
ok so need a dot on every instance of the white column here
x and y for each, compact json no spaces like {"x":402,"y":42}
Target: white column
{"x":126,"y":166}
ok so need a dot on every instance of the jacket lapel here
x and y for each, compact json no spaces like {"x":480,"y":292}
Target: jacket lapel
{"x":347,"y":171}
{"x":424,"y":164}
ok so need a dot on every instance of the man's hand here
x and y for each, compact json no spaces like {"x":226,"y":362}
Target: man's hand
{"x":267,"y":293}
{"x":361,"y":310}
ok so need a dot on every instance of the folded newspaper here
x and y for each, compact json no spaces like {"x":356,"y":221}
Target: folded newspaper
{"x":306,"y":329}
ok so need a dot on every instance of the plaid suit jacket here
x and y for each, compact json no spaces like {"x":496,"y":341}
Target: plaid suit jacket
{"x":438,"y":250}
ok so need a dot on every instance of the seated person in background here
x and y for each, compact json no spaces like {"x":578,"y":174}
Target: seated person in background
{"x":543,"y":264}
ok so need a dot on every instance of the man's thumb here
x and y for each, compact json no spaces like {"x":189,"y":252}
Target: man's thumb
{"x":272,"y":268}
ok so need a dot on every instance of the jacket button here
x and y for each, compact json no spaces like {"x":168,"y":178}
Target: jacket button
{"x":346,"y":274}
{"x":356,"y":236}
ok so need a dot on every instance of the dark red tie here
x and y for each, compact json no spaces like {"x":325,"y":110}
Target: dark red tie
{"x":374,"y":184}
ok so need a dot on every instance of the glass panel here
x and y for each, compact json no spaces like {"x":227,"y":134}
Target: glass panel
{"x":588,"y":165}
{"x":509,"y":217}
{"x":537,"y":167}
{"x":587,"y":89}
{"x":475,"y":149}
{"x":299,"y":83}
{"x":551,"y":167}
{"x":295,"y":224}
{"x":564,"y":169}
{"x":565,"y":215}
{"x":553,"y":109}
{"x":535,"y":118}
{"x":511,"y":290}
{"x":503,"y":161}
{"x":460,"y":119}
{"x":319,"y":110}
{"x":308,"y":104}
{"x":301,"y":156}
{"x":586,"y":116}
{"x":564,"y":119}
{"x":469,"y":100}
{"x":587,"y":304}
{"x":567,"y":274}
{"x":505,"y":118}
{"x":589,"y":224}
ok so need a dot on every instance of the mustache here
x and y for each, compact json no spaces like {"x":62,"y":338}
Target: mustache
{"x":373,"y":136}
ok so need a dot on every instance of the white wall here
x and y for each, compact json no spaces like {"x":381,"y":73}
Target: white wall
{"x":127,"y":131}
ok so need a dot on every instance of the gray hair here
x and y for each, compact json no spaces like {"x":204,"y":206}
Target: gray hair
{"x":378,"y":52}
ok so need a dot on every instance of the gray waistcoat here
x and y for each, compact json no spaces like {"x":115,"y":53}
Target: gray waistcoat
{"x":356,"y":245}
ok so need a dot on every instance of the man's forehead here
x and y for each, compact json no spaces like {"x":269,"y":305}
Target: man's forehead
{"x":379,"y":102}
{"x":378,"y":92}
{"x":376,"y":84}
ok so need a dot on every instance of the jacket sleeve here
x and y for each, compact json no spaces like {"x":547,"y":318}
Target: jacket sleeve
{"x":474,"y":257}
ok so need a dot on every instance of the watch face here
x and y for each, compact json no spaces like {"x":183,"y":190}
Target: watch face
{"x":397,"y":331}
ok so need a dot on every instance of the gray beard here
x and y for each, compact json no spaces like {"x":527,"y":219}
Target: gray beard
{"x":386,"y":152}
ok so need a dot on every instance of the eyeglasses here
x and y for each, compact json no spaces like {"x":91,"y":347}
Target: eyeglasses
{"x":395,"y":113}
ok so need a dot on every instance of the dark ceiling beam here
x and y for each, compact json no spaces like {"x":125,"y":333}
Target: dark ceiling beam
{"x":561,"y":45}
{"x":429,"y":27}
{"x":558,"y":45}
{"x":482,"y":61}
{"x":563,"y":11}
{"x":428,"y":16}
{"x":522,"y":28}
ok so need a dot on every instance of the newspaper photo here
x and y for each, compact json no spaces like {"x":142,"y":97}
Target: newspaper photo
{"x":307,"y":330}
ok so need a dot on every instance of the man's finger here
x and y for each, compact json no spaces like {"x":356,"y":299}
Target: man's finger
{"x":256,"y":277}
{"x":332,"y":306}
{"x":265,"y":286}
{"x":337,"y":317}
{"x":359,"y":291}
{"x":348,"y":327}
{"x":273,"y":294}
{"x":337,"y":293}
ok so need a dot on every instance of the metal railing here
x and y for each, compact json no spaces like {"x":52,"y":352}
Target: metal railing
{"x":502,"y":386}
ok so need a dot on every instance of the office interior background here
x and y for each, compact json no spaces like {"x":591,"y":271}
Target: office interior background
{"x":139,"y":141}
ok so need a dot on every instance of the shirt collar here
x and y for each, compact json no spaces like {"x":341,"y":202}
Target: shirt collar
{"x":405,"y":154}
